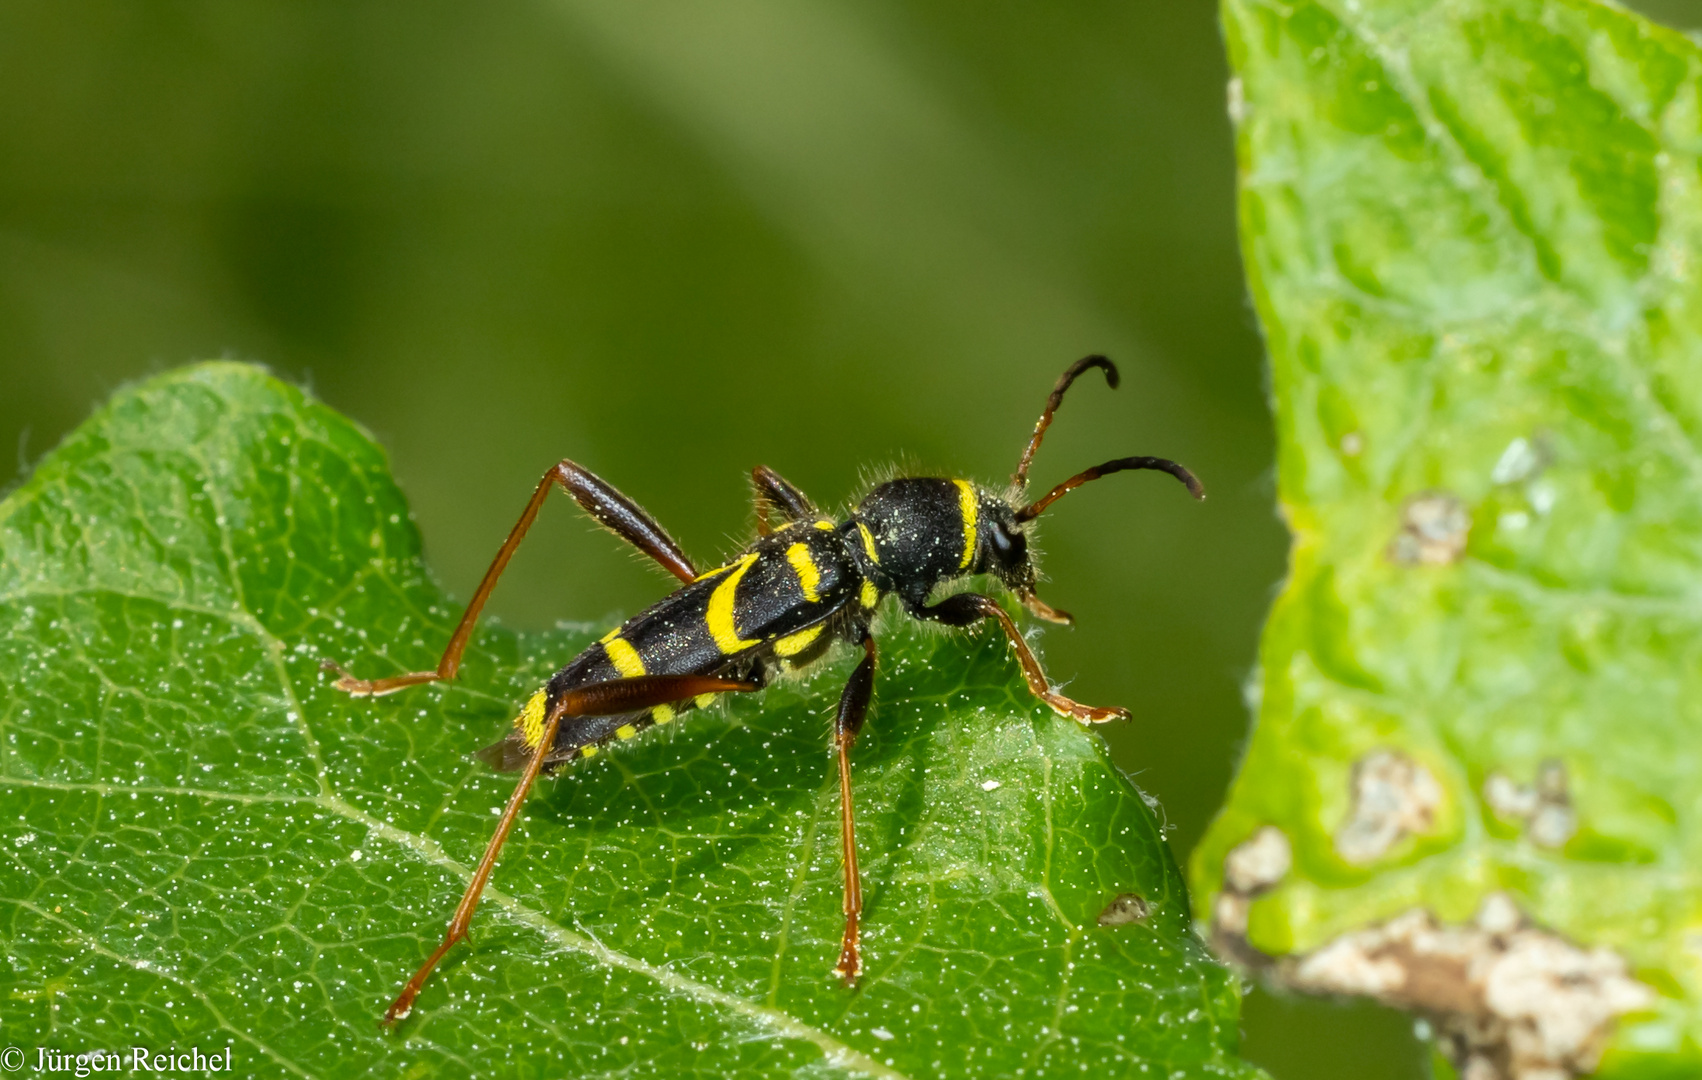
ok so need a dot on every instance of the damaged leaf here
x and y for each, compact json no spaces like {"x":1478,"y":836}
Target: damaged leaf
{"x":1474,"y":235}
{"x":206,"y":846}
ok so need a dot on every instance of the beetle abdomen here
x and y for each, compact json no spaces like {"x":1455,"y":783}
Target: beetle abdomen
{"x":777,"y":599}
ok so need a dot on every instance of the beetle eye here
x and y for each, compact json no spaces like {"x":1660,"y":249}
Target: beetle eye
{"x":1008,"y":548}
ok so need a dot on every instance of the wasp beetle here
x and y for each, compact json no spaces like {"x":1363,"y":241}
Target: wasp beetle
{"x":806,"y":582}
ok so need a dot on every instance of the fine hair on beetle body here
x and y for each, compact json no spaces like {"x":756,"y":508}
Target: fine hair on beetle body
{"x":905,"y":465}
{"x":809,"y":581}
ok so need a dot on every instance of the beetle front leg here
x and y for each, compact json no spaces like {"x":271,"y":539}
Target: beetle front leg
{"x":966,"y":609}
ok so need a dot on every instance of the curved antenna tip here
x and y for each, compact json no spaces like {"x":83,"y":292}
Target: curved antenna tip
{"x":1112,"y":377}
{"x":1055,"y":399}
{"x":1164,"y":465}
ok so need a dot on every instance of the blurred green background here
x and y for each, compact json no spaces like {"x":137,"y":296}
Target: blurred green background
{"x":674,"y":241}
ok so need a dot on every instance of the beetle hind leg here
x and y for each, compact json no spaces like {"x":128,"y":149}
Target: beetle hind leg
{"x":848,"y":721}
{"x":593,"y":699}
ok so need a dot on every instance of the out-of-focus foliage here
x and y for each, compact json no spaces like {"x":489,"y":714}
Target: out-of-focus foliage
{"x":673,"y":243}
{"x":1474,"y":232}
{"x":206,"y":844}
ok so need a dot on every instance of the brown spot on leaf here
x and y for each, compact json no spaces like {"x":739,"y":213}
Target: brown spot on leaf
{"x":1508,"y":1000}
{"x":1393,"y":796}
{"x":1545,"y":807}
{"x":1258,"y":863}
{"x":1126,"y":908}
{"x":1434,"y":527}
{"x":1253,"y":866}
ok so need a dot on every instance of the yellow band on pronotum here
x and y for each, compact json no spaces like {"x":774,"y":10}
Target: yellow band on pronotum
{"x":869,"y":543}
{"x":970,"y":507}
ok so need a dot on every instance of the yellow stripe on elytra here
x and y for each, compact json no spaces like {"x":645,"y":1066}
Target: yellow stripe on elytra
{"x":793,"y":644}
{"x":805,"y":567}
{"x":626,"y":731}
{"x":531,"y":720}
{"x":824,"y":525}
{"x":662,"y":714}
{"x":719,"y":616}
{"x":871,"y":595}
{"x":968,"y":503}
{"x":869,"y":543}
{"x":624,"y":657}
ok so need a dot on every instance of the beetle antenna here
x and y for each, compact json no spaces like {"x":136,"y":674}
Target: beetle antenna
{"x":1056,"y":399}
{"x":1038,"y":507}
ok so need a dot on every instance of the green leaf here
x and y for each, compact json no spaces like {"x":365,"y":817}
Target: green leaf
{"x":207,"y":845}
{"x":1474,"y":233}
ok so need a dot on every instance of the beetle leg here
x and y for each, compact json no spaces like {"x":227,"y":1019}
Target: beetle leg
{"x":853,"y":708}
{"x":775,"y":493}
{"x":609,"y":507}
{"x":594,"y":699}
{"x":404,"y":1003}
{"x":965,"y":609}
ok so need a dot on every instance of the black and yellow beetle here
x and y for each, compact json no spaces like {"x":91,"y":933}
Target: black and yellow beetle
{"x":806,"y":582}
